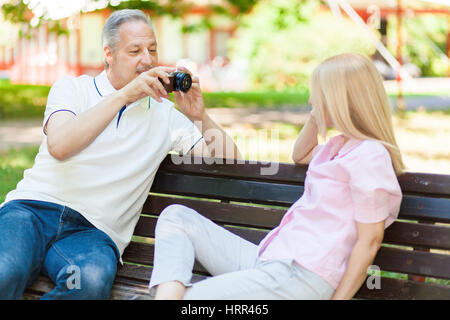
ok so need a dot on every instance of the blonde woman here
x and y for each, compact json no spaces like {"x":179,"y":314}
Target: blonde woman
{"x":330,"y":236}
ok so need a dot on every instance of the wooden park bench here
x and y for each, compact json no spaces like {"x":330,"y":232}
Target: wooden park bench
{"x":237,"y":196}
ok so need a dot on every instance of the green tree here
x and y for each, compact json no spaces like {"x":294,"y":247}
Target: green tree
{"x":19,"y":12}
{"x":424,"y":42}
{"x":285,"y":40}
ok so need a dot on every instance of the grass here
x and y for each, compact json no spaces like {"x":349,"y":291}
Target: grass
{"x":22,"y":101}
{"x":12,"y":165}
{"x":262,"y":99}
{"x":28,"y":101}
{"x":422,"y":136}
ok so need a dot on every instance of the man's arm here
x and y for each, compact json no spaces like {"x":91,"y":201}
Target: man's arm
{"x":68,"y":134}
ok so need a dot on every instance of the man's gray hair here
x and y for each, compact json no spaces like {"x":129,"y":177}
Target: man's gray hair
{"x":110,"y":33}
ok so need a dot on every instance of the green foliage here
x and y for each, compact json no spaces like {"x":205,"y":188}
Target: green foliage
{"x":259,"y":99}
{"x":22,"y":101}
{"x":424,"y":40}
{"x":242,"y":5}
{"x":285,"y":40}
{"x":17,"y":12}
{"x":172,"y":7}
{"x":12,"y":165}
{"x":28,"y":101}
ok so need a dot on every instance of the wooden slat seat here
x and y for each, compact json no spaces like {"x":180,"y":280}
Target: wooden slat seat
{"x":249,"y":204}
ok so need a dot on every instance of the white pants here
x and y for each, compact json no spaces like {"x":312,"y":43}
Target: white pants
{"x":182,"y":235}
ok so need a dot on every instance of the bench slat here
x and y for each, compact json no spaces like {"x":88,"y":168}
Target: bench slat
{"x":142,"y":274}
{"x":121,"y":290}
{"x":395,"y":289}
{"x":134,"y":272}
{"x":418,"y":235}
{"x":412,"y":207}
{"x":425,"y":209}
{"x":243,"y":215}
{"x":132,"y":281}
{"x":390,"y":288}
{"x":410,"y":182}
{"x":388,"y":259}
{"x":227,"y":189}
{"x":287,"y":173}
{"x":400,"y":233}
{"x":143,"y":253}
{"x":414,"y":262}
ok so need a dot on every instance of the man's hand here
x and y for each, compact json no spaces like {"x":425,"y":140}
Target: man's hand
{"x":147,"y":84}
{"x":191,"y":102}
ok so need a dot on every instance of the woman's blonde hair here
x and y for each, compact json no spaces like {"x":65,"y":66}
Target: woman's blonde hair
{"x":349,"y":89}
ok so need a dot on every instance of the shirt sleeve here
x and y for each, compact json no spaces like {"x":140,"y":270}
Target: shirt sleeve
{"x":374,"y":187}
{"x":316,"y":149}
{"x":184,"y":134}
{"x":63,"y":96}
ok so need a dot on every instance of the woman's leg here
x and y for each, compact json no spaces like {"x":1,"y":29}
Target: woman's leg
{"x":268,"y":280}
{"x":183,"y":235}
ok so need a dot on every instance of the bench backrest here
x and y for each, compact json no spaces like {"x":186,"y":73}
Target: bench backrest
{"x":249,"y":204}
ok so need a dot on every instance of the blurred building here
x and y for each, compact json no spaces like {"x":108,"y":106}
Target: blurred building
{"x":46,"y":56}
{"x":375,"y":13}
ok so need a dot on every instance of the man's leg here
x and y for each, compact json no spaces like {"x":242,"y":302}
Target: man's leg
{"x":82,"y":263}
{"x":22,"y":248}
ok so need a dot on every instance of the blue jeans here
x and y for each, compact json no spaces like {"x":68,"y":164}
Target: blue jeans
{"x":38,"y":236}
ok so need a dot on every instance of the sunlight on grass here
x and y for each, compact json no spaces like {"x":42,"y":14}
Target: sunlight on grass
{"x":423,"y":138}
{"x":12,"y":165}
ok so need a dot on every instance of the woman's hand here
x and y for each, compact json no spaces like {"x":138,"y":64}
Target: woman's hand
{"x":306,"y":141}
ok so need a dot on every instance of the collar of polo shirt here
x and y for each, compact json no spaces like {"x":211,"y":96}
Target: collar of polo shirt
{"x":102,"y":84}
{"x":104,"y":88}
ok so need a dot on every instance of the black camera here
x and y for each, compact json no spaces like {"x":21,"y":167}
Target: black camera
{"x":179,"y":81}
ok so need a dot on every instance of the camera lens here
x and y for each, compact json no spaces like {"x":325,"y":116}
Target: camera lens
{"x":182,"y":81}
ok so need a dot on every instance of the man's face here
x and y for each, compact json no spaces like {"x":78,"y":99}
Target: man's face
{"x":136,"y":52}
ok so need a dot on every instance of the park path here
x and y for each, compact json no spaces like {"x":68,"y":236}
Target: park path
{"x":21,"y":133}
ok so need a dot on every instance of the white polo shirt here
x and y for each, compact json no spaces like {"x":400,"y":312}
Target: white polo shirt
{"x":109,"y":181}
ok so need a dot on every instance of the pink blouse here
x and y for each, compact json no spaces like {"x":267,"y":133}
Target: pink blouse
{"x":319,"y":230}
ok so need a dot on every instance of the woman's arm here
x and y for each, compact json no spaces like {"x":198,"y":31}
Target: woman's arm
{"x":370,"y":236}
{"x":306,"y":141}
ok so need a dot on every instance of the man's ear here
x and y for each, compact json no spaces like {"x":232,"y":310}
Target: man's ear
{"x":108,"y":54}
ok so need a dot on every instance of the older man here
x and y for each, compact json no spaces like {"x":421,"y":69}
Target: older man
{"x":75,"y":210}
